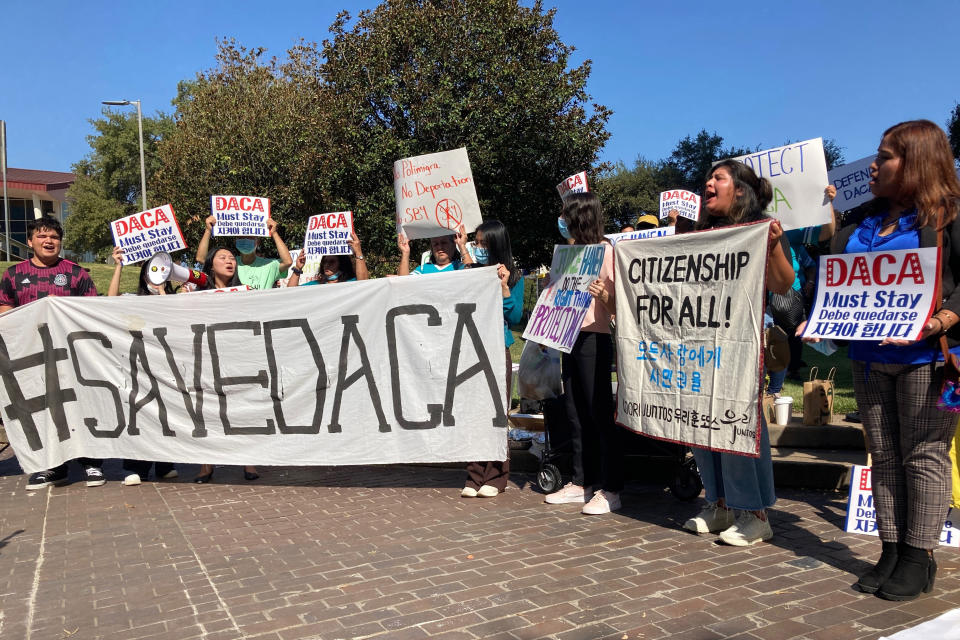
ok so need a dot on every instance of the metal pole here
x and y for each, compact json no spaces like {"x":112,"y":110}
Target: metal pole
{"x":6,"y":201}
{"x":143,"y":168}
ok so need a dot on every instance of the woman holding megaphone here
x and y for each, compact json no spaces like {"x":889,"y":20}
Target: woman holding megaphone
{"x":139,"y":469}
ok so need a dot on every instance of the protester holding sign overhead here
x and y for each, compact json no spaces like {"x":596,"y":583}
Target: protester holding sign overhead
{"x":733,"y":194}
{"x":897,"y":382}
{"x":597,"y":456}
{"x":140,"y":469}
{"x":334,"y":268}
{"x":489,"y":479}
{"x":447,"y":253}
{"x":221,"y":269}
{"x":252,"y":270}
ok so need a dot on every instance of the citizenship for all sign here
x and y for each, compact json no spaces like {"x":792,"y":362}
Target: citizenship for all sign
{"x":853,"y":184}
{"x":642,"y":234}
{"x":685,"y":203}
{"x":143,"y":234}
{"x":875,"y":295}
{"x":798,"y":173}
{"x":435,"y":194}
{"x":576,"y":183}
{"x":394,"y":370}
{"x":328,"y":234}
{"x":689,"y":316}
{"x":555,"y":321}
{"x":862,"y":515}
{"x":240,"y":215}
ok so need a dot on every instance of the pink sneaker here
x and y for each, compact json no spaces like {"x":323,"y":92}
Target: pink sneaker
{"x":602,"y":502}
{"x":569,"y":493}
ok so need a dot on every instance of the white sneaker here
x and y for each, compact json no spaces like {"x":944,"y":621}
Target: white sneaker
{"x":468,"y":492}
{"x":747,"y":530}
{"x":569,"y":493}
{"x":170,"y":475}
{"x":132,"y":480}
{"x":488,"y":491}
{"x":602,"y":502}
{"x":712,"y":519}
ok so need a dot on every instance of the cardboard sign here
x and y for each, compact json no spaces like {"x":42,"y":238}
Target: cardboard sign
{"x":875,"y":295}
{"x":577,"y":183}
{"x":852,"y":181}
{"x":862,"y":517}
{"x":689,"y":320}
{"x":328,"y":234}
{"x":555,"y":321}
{"x":240,"y":215}
{"x":311,"y":269}
{"x":642,"y":234}
{"x":143,"y":234}
{"x":798,"y":173}
{"x":685,"y":203}
{"x":435,"y":194}
{"x":393,"y":370}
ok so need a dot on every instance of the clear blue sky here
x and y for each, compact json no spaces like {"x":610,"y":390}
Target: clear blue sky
{"x":754,"y":72}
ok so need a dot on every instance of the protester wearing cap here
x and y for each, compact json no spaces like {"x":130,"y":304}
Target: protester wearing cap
{"x":46,"y":274}
{"x":253,"y":270}
{"x":647,"y":221}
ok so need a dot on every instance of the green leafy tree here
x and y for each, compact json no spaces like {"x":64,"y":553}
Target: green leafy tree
{"x":693,"y":156}
{"x":420,"y":76}
{"x":833,"y":153}
{"x":108,"y":179}
{"x":626,"y":193}
{"x":255,"y":127}
{"x":953,"y":131}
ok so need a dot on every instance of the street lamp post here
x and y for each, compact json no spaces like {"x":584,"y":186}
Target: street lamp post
{"x":143,"y":169}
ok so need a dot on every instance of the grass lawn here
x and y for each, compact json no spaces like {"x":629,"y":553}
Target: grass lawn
{"x":102,"y":273}
{"x":843,"y":401}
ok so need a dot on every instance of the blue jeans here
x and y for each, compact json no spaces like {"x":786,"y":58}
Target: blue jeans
{"x":776,"y":380}
{"x":744,"y":483}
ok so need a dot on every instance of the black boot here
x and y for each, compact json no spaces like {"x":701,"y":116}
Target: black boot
{"x":871,"y":580}
{"x":914,"y":574}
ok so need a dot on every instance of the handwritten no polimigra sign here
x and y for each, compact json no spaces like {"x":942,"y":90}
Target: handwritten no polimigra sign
{"x":435,"y":194}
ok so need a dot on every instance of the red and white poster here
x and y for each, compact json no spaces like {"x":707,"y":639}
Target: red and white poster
{"x":240,"y":215}
{"x":435,"y":194}
{"x":874,"y":295}
{"x":577,"y":183}
{"x":685,"y":203}
{"x":143,"y":234}
{"x":328,"y":234}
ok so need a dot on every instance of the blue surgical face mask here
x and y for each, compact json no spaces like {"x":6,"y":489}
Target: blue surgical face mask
{"x":562,"y":226}
{"x":334,"y":277}
{"x":480,"y":255}
{"x":246,"y":246}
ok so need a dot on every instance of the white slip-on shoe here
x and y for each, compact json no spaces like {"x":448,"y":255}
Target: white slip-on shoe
{"x":602,"y":502}
{"x":747,"y":530}
{"x":132,"y":479}
{"x":468,"y":492}
{"x":569,"y":493}
{"x":488,"y":491}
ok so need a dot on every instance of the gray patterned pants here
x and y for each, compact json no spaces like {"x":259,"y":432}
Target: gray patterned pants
{"x":909,"y":442}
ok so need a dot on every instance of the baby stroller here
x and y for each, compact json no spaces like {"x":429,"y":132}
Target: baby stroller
{"x":684,"y":483}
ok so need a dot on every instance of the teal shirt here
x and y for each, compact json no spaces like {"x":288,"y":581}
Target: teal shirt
{"x":512,"y":310}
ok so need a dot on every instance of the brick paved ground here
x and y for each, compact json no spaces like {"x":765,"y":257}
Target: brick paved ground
{"x":395,"y":553}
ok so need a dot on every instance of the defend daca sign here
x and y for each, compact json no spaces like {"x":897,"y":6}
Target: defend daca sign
{"x":240,"y":215}
{"x":145,"y":233}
